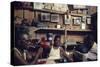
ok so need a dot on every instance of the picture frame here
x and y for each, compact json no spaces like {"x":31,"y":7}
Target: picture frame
{"x":45,"y":16}
{"x":66,"y":19}
{"x":77,"y":20}
{"x":38,"y":6}
{"x":85,"y":12}
{"x":48,"y":6}
{"x":54,"y":17}
{"x":84,"y":18}
{"x":79,"y":7}
{"x":56,"y":7}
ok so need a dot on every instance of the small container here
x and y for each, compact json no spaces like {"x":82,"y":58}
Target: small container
{"x":58,"y":26}
{"x":83,"y":26}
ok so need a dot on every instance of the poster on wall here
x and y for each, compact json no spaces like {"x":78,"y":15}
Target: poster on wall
{"x":38,"y":5}
{"x":67,"y":19}
{"x":77,"y":20}
{"x":55,"y":18}
{"x":45,"y":16}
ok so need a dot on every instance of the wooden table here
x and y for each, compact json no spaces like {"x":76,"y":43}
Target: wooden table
{"x":46,"y":61}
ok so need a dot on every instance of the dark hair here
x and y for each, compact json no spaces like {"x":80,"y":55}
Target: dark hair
{"x":57,"y":36}
{"x":88,"y":41}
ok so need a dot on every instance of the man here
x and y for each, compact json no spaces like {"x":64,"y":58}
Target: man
{"x":56,"y":51}
{"x":88,"y":49}
{"x":23,"y":55}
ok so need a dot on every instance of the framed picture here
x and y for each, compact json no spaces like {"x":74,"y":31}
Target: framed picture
{"x":66,"y":19}
{"x":79,"y":6}
{"x":45,"y":16}
{"x":56,"y":7}
{"x":84,"y":18}
{"x":88,"y":20}
{"x":77,"y":20}
{"x":85,"y":12}
{"x":54,"y":17}
{"x":48,"y":6}
{"x":38,"y":5}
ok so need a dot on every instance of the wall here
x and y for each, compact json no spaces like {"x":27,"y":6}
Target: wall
{"x":30,"y":15}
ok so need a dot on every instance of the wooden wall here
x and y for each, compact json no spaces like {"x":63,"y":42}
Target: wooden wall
{"x":30,"y":15}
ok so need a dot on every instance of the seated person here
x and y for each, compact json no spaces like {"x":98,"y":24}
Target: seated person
{"x":56,"y":51}
{"x":44,"y":43}
{"x":23,"y":54}
{"x":92,"y":53}
{"x":86,"y":45}
{"x":88,"y":49}
{"x":46,"y":47}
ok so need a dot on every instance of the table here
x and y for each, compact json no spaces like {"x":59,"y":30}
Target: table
{"x":50,"y":61}
{"x":46,"y":61}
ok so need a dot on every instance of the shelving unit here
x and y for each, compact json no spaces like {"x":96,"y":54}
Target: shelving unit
{"x":73,"y":14}
{"x":73,"y":30}
{"x":61,"y":29}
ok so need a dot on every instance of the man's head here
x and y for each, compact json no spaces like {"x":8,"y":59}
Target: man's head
{"x":57,"y":40}
{"x":24,"y":41}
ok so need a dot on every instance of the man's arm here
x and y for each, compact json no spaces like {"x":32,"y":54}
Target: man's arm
{"x":20,"y":58}
{"x":65,"y":55}
{"x":37,"y":55}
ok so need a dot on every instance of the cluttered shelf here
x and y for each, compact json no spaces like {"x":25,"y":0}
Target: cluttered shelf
{"x":49,"y":11}
{"x":75,"y":14}
{"x":62,"y":29}
{"x":42,"y":10}
{"x":81,"y":30}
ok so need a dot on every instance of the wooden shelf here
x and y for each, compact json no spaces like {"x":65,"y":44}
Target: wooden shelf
{"x":81,"y":30}
{"x":42,"y":10}
{"x":50,"y":30}
{"x":61,"y":30}
{"x":73,"y":14}
{"x":49,"y":11}
{"x":57,"y":29}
